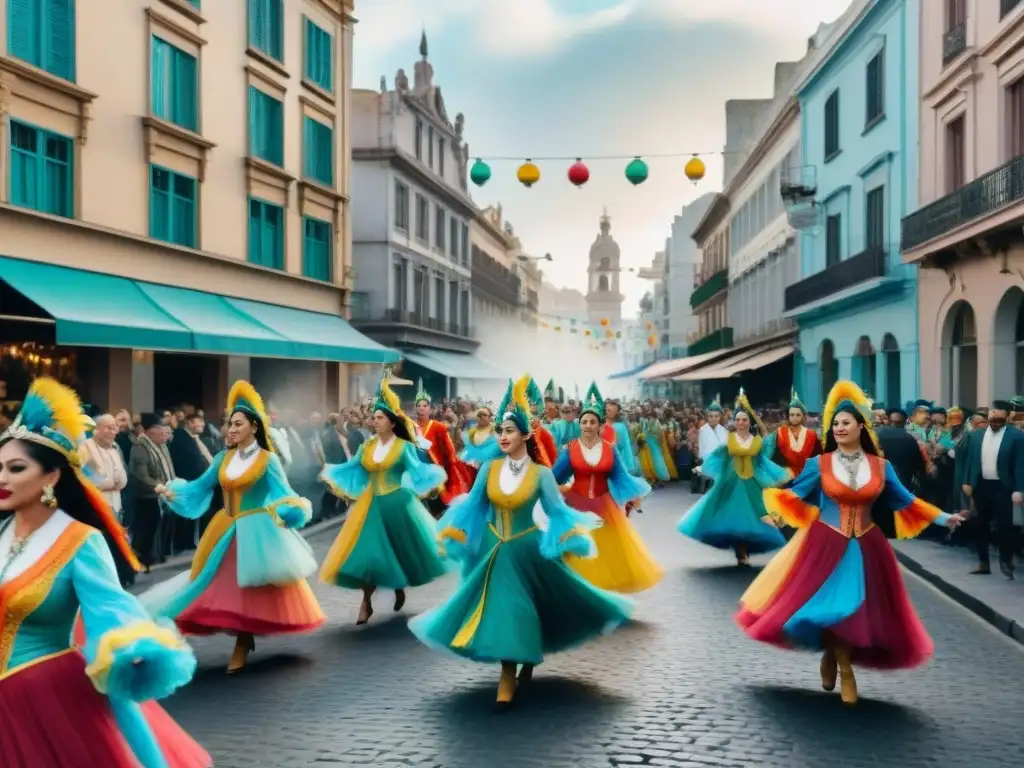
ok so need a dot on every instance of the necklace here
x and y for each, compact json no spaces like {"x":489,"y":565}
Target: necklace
{"x":850,"y":462}
{"x":248,"y":453}
{"x":16,"y":548}
{"x":516,"y":467}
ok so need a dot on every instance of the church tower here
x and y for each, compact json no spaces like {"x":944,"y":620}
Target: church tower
{"x":603,"y":272}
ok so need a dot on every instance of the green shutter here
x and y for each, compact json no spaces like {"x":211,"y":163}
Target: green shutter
{"x":254,"y":121}
{"x":255,"y":224}
{"x":275,"y":29}
{"x":24,"y":165}
{"x":257,"y":19}
{"x":318,"y":142}
{"x":183,"y":211}
{"x":23,"y":30}
{"x":159,"y":76}
{"x":316,"y":249}
{"x":266,"y":234}
{"x":185,"y":90}
{"x":60,"y":38}
{"x":266,"y":127}
{"x":159,"y":203}
{"x":319,"y":56}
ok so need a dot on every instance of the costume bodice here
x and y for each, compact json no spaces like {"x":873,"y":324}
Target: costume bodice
{"x":850,"y":514}
{"x":796,"y":452}
{"x":513,"y":512}
{"x":245,"y":491}
{"x":743,"y":455}
{"x":591,"y":480}
{"x":386,"y":474}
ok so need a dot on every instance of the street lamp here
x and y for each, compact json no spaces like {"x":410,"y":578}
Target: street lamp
{"x":524,"y":258}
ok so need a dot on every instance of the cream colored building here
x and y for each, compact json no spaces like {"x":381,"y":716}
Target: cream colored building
{"x":495,"y":253}
{"x":174,"y":200}
{"x":966,"y":237}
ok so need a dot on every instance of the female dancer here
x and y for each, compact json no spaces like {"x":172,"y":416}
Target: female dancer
{"x":62,"y":707}
{"x":836,"y":586}
{"x":601,"y":485}
{"x":792,"y":444}
{"x":651,"y":456}
{"x":732,"y":515}
{"x":481,"y":442}
{"x":437,"y":445}
{"x":388,"y":536}
{"x":521,"y":600}
{"x":249,"y":571}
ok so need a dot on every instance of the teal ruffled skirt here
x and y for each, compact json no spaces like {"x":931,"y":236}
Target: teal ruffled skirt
{"x":517,"y":606}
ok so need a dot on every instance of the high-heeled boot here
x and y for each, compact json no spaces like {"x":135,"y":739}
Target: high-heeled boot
{"x":366,"y":607}
{"x":742,"y":557}
{"x":244,"y":645}
{"x":848,"y":685}
{"x":506,"y":685}
{"x":829,"y":670}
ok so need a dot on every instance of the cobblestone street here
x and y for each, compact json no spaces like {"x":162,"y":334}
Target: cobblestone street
{"x":680,"y":687}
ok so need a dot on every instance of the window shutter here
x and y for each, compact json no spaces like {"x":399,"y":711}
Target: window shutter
{"x":159,"y":204}
{"x":275,"y":130}
{"x":186,"y":88}
{"x":25,"y":163}
{"x":257,"y":20}
{"x":272,"y":216}
{"x":158,"y":77}
{"x":60,"y":59}
{"x":184,"y":211}
{"x":23,"y":22}
{"x":274,"y":28}
{"x":255,"y":232}
{"x":255,"y":144}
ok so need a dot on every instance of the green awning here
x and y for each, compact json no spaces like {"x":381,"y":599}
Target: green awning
{"x":316,"y":336}
{"x":93,"y":309}
{"x":454,"y":365}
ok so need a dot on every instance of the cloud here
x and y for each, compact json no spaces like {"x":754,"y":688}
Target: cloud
{"x":766,"y":16}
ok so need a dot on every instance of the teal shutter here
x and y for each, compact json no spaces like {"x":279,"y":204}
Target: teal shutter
{"x":159,"y":203}
{"x":23,"y":30}
{"x":183,"y":211}
{"x":56,"y":175}
{"x":319,"y":56}
{"x":275,"y":116}
{"x":316,"y":249}
{"x":275,"y":29}
{"x":186,"y":87}
{"x":254,"y":122}
{"x":172,"y":207}
{"x":255,"y":230}
{"x":266,"y":234}
{"x":24,"y":165}
{"x":266,"y":127}
{"x":159,"y":67}
{"x":319,"y":151}
{"x":257,"y":19}
{"x":60,"y":38}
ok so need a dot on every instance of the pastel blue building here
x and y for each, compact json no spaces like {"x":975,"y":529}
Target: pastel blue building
{"x":856,"y":303}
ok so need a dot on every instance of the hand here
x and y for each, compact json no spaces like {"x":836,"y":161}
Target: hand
{"x":161,"y":490}
{"x":1018,"y":497}
{"x":954,"y":521}
{"x":967,"y":490}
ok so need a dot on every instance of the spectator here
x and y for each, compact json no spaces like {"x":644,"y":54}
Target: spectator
{"x":150,"y":467}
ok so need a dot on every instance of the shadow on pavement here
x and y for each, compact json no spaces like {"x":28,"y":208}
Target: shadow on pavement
{"x":826,"y":710}
{"x":258,"y":665}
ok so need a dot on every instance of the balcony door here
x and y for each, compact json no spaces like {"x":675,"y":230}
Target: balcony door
{"x":893,"y":384}
{"x":956,"y":154}
{"x":865,"y":371}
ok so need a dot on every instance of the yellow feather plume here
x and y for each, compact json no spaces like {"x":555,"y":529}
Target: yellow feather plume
{"x":519,"y":392}
{"x":387,"y":394}
{"x":243,"y":390}
{"x":744,"y":404}
{"x":68,"y":418}
{"x":847,"y":390}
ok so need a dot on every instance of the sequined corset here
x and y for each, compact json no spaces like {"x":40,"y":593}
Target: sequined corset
{"x":852,"y":514}
{"x":590,"y":480}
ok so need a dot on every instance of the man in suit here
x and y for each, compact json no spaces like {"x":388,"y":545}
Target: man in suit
{"x":150,"y":467}
{"x":994,"y":483}
{"x":903,"y":452}
{"x":192,"y":455}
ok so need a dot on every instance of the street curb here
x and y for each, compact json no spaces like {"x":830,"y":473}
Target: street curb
{"x":186,"y":559}
{"x":1009,"y":627}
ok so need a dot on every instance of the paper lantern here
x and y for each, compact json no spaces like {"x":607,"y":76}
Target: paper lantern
{"x":636,"y":171}
{"x":605,"y":322}
{"x":579,"y":174}
{"x":586,"y":333}
{"x":618,"y":334}
{"x":528,"y":174}
{"x":480,"y":173}
{"x":609,"y":334}
{"x":695,"y":169}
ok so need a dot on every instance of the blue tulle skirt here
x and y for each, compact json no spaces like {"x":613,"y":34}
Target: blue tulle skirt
{"x":730,"y":515}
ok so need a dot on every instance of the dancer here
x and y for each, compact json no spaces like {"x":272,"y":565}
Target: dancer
{"x":62,"y":707}
{"x":547,"y":441}
{"x":836,"y":586}
{"x":481,"y":442}
{"x":616,"y":432}
{"x":438,"y":447}
{"x":248,"y":574}
{"x":388,"y":536}
{"x":651,"y":455}
{"x":792,"y":444}
{"x":601,"y":484}
{"x":521,"y":600}
{"x":732,"y":514}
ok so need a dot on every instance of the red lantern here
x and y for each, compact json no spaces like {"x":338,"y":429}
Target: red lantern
{"x":579,"y":174}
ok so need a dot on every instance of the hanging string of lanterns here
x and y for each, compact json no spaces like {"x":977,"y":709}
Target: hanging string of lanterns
{"x":636,"y":170}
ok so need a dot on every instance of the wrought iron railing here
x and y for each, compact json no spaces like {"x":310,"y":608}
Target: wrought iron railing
{"x":417,"y":319}
{"x":714,"y":341}
{"x":954,"y":42}
{"x":847,"y":273}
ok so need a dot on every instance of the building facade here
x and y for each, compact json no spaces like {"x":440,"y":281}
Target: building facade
{"x":682,"y":264}
{"x":604,"y":299}
{"x":494,"y":254}
{"x":174,"y":207}
{"x":412,"y":215}
{"x":966,"y":238}
{"x":855,"y":302}
{"x":710,"y":298}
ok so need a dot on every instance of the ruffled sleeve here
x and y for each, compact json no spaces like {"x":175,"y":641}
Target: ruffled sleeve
{"x":793,"y":505}
{"x":769,"y":445}
{"x":129,"y":656}
{"x":568,"y":531}
{"x":420,"y":477}
{"x":716,"y":462}
{"x":348,"y":480}
{"x":192,"y":499}
{"x":461,"y":528}
{"x":623,"y":486}
{"x":562,"y":470}
{"x":292,"y":510}
{"x":767,"y":472}
{"x":912,"y":515}
{"x":477,"y":455}
{"x":624,"y":445}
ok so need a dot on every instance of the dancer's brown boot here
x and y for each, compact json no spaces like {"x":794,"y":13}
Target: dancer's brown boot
{"x":366,"y":607}
{"x":829,"y":670}
{"x":506,"y":686}
{"x":848,"y":687}
{"x":244,"y":645}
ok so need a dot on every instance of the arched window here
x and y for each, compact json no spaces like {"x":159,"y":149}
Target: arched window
{"x":893,"y":383}
{"x":1008,"y":345}
{"x":865,"y":371}
{"x":605,"y":264}
{"x":602,"y":283}
{"x":960,"y":356}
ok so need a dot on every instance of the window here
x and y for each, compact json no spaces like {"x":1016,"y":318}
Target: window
{"x":875,"y":89}
{"x":439,"y":298}
{"x":172,"y":207}
{"x":41,"y":170}
{"x":465,"y":244}
{"x":419,"y":293}
{"x":266,"y":234}
{"x":1015,"y":116}
{"x":439,"y":225}
{"x":174,"y":84}
{"x":401,"y":207}
{"x":430,"y":146}
{"x":440,"y":157}
{"x":319,"y":151}
{"x":956,"y":157}
{"x":398,"y":275}
{"x":42,"y":32}
{"x":874,"y":236}
{"x":832,"y":126}
{"x":266,"y":127}
{"x":266,"y":27}
{"x":316,"y":249}
{"x":833,"y":239}
{"x":464,"y":313}
{"x":319,"y":56}
{"x":422,"y":219}
{"x":419,"y":139}
{"x":453,"y":238}
{"x":453,"y":304}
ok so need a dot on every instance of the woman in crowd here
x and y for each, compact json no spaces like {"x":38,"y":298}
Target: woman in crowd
{"x":62,"y":707}
{"x":836,"y":587}
{"x":248,"y":574}
{"x":732,"y":514}
{"x":388,"y":536}
{"x":651,"y":456}
{"x":601,"y":485}
{"x":520,"y":601}
{"x":481,"y":442}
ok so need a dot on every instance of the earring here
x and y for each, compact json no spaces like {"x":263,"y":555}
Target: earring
{"x":49,"y":498}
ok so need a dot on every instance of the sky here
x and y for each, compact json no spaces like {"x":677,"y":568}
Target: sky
{"x":591,"y":79}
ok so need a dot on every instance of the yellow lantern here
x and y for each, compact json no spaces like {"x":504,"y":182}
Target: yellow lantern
{"x":586,"y":332}
{"x":609,"y":334}
{"x":528,"y":174}
{"x":695,"y":169}
{"x":605,"y":322}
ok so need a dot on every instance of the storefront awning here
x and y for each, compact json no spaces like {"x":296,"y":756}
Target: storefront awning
{"x":98,"y":310}
{"x":632,"y":372}
{"x":668,"y":368}
{"x":758,"y":361}
{"x":453,"y":365}
{"x":747,"y":359}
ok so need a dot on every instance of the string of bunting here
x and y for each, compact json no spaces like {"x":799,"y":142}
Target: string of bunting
{"x":603,"y":335}
{"x":636,"y":169}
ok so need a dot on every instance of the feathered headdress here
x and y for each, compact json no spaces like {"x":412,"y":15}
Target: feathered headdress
{"x":52,"y":416}
{"x":742,"y":404}
{"x":421,"y":394}
{"x":716,"y":404}
{"x":514,"y":405}
{"x":386,"y":400}
{"x":244,"y":397}
{"x":846,"y":394}
{"x":794,"y":400}
{"x":534,"y":395}
{"x":593,"y":402}
{"x":549,"y":390}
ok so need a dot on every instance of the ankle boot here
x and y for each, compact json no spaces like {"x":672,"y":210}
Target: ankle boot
{"x":829,"y":670}
{"x":506,"y":685}
{"x":240,"y":656}
{"x":399,"y":599}
{"x":848,"y":688}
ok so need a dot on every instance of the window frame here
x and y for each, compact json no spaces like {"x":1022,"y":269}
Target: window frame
{"x":172,"y":109}
{"x":833,"y":137}
{"x":42,"y":34}
{"x":874,"y":229}
{"x":318,"y":40}
{"x":40,"y":161}
{"x":874,"y":85}
{"x":280,"y":255}
{"x":402,"y":209}
{"x":837,"y":220}
{"x":257,"y":99}
{"x":172,"y":197}
{"x":328,"y":245}
{"x":274,"y":49}
{"x":313,"y":133}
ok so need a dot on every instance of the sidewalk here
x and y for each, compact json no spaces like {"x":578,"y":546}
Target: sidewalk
{"x":994,"y":598}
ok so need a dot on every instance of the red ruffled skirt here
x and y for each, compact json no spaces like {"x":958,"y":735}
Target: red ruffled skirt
{"x":53,"y":717}
{"x":884,"y":632}
{"x":271,"y":610}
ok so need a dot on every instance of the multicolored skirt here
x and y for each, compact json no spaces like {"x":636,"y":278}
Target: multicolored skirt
{"x":825,"y":588}
{"x":53,"y":716}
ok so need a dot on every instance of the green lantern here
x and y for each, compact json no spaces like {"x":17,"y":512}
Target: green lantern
{"x":636,"y":171}
{"x":480,"y":173}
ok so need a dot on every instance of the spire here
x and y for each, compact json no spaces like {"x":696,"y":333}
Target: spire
{"x":606,"y":222}
{"x":423,"y":44}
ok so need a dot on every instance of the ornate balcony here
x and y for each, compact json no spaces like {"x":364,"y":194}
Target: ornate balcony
{"x":954,"y":42}
{"x":864,"y":266}
{"x":983,"y":196}
{"x":717,"y":282}
{"x":714,"y":341}
{"x":400,"y":326}
{"x":491,"y":278}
